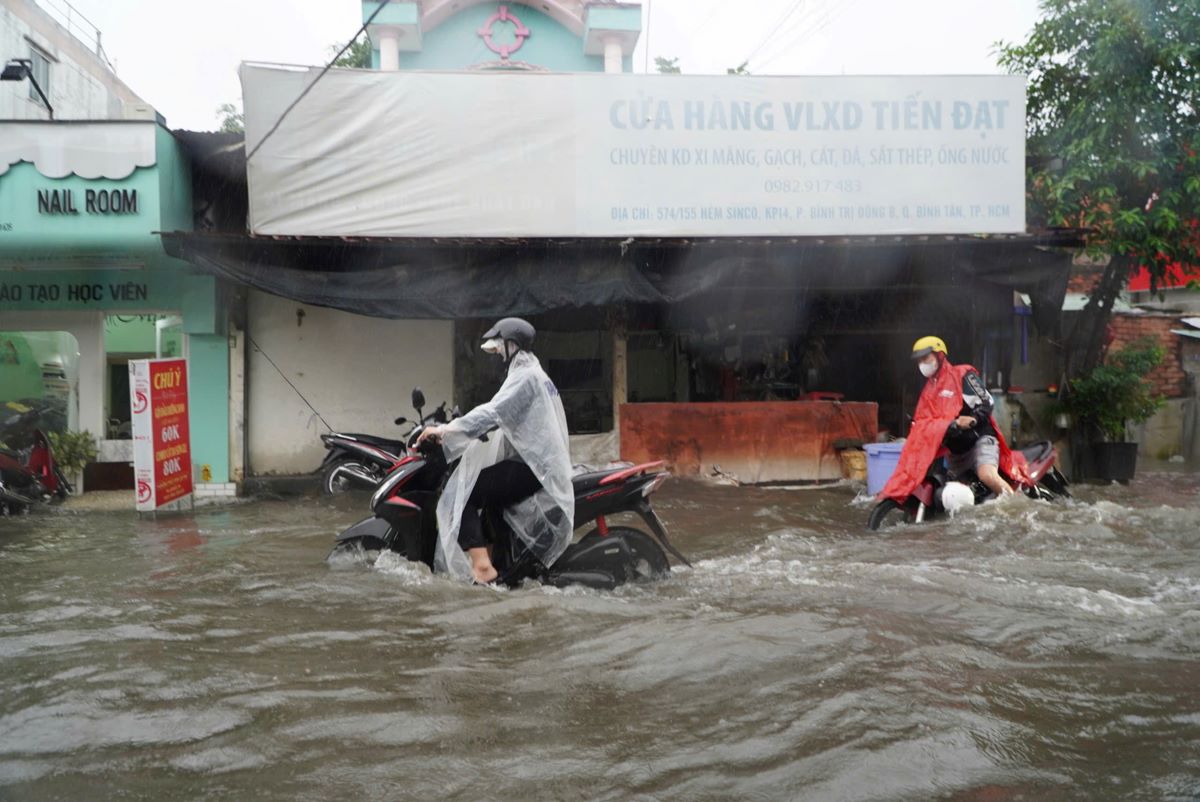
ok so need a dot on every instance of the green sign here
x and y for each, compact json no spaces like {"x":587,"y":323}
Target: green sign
{"x":90,"y":289}
{"x":64,"y":219}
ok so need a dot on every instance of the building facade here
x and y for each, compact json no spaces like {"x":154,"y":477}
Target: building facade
{"x":375,"y":267}
{"x":358,"y":371}
{"x":85,"y":284}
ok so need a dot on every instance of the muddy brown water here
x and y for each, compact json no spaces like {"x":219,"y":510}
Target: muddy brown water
{"x":1021,"y":652}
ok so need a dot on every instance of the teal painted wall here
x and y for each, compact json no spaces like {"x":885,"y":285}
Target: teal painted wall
{"x":31,"y":234}
{"x":129,"y":336}
{"x":114,"y":263}
{"x":26,"y":231}
{"x":614,"y":18}
{"x":201,"y":308}
{"x":456,"y":44}
{"x":395,"y":13}
{"x":175,"y":183}
{"x":208,"y":400}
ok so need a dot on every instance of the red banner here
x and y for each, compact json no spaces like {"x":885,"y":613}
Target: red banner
{"x":162,"y":445}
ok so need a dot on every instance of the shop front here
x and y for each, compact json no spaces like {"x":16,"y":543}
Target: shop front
{"x":672,"y":249}
{"x":85,"y":286}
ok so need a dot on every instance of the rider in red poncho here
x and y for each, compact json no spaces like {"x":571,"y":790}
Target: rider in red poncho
{"x":954,"y":417}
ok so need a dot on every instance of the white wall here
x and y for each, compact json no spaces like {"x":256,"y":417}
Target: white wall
{"x":82,"y":87}
{"x":359,"y":373}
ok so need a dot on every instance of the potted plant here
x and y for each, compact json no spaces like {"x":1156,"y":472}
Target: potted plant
{"x":1105,"y":400}
{"x":73,"y":451}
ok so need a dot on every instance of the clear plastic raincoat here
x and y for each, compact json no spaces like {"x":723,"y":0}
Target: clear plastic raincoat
{"x":529,"y":422}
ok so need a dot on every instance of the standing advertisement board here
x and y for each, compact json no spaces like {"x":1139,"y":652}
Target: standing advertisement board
{"x":162,"y":458}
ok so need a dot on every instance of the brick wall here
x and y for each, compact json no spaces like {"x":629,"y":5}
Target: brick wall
{"x":1084,"y":279}
{"x":1168,"y":378}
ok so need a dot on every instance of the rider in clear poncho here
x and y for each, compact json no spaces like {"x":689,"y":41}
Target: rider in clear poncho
{"x":524,"y":465}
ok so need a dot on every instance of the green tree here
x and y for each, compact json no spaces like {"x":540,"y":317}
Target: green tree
{"x":358,"y":56}
{"x":1113,"y":95}
{"x":669,"y":66}
{"x":233,"y":121}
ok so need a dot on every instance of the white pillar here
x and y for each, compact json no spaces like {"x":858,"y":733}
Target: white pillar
{"x":92,"y":374}
{"x":389,"y":49}
{"x":620,"y":367}
{"x":614,"y":57}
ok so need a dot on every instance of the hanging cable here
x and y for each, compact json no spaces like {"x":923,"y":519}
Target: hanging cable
{"x":819,"y":25}
{"x":649,"y":19}
{"x":258,"y":348}
{"x":308,"y":88}
{"x":716,"y":6}
{"x":783,"y":46}
{"x":775,"y":28}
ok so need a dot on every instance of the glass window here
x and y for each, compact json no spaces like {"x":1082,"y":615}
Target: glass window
{"x":39,"y":385}
{"x":41,"y":73}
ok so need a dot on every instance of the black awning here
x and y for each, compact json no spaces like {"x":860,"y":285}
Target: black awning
{"x":454,"y":278}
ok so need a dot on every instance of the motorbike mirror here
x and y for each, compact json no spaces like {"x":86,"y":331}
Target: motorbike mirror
{"x":401,"y":420}
{"x":418,"y":400}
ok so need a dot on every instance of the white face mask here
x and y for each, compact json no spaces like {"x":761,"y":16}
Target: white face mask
{"x":493,"y":346}
{"x":928,"y":368}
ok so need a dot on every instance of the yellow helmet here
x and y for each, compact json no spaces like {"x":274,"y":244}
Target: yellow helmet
{"x":928,"y":345}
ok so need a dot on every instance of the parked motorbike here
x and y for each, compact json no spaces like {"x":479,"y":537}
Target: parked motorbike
{"x":30,"y":476}
{"x":928,"y":499}
{"x":20,"y":419}
{"x":362,"y":461}
{"x":404,"y":520}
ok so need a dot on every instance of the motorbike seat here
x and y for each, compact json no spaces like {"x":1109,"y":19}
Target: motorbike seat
{"x":590,"y":481}
{"x":586,"y":482}
{"x":392,"y":446}
{"x":1037,"y":451}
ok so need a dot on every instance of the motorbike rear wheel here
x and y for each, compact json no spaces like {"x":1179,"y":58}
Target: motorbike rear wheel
{"x":889,"y":513}
{"x":649,"y":560}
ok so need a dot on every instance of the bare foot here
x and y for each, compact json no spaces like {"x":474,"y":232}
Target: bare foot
{"x":482,"y":569}
{"x":485,"y":576}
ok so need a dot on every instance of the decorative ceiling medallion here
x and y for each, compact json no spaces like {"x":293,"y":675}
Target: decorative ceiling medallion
{"x":489,"y":30}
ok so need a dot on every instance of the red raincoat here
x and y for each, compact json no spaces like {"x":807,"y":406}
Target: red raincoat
{"x":940,"y":403}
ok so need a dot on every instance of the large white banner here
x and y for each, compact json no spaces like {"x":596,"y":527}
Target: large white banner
{"x":593,"y":155}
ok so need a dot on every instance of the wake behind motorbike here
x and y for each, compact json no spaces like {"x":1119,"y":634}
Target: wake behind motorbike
{"x":30,"y":476}
{"x":936,"y":494}
{"x":404,"y":521}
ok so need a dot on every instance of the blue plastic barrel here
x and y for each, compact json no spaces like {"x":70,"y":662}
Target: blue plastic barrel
{"x":881,"y":463}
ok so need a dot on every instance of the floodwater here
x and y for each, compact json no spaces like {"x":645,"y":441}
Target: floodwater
{"x":1021,"y":652}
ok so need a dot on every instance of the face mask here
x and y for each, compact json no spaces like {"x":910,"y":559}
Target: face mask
{"x":493,"y":346}
{"x":928,"y":368}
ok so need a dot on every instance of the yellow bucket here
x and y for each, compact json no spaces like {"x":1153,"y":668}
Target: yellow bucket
{"x":854,"y":464}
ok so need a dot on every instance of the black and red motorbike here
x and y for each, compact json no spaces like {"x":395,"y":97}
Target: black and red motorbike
{"x":30,"y":476}
{"x":929,"y":498}
{"x":404,"y":520}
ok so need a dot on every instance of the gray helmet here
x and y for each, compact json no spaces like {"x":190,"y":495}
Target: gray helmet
{"x":513,"y":330}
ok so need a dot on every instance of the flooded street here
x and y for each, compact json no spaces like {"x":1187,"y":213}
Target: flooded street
{"x":1024,"y":651}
